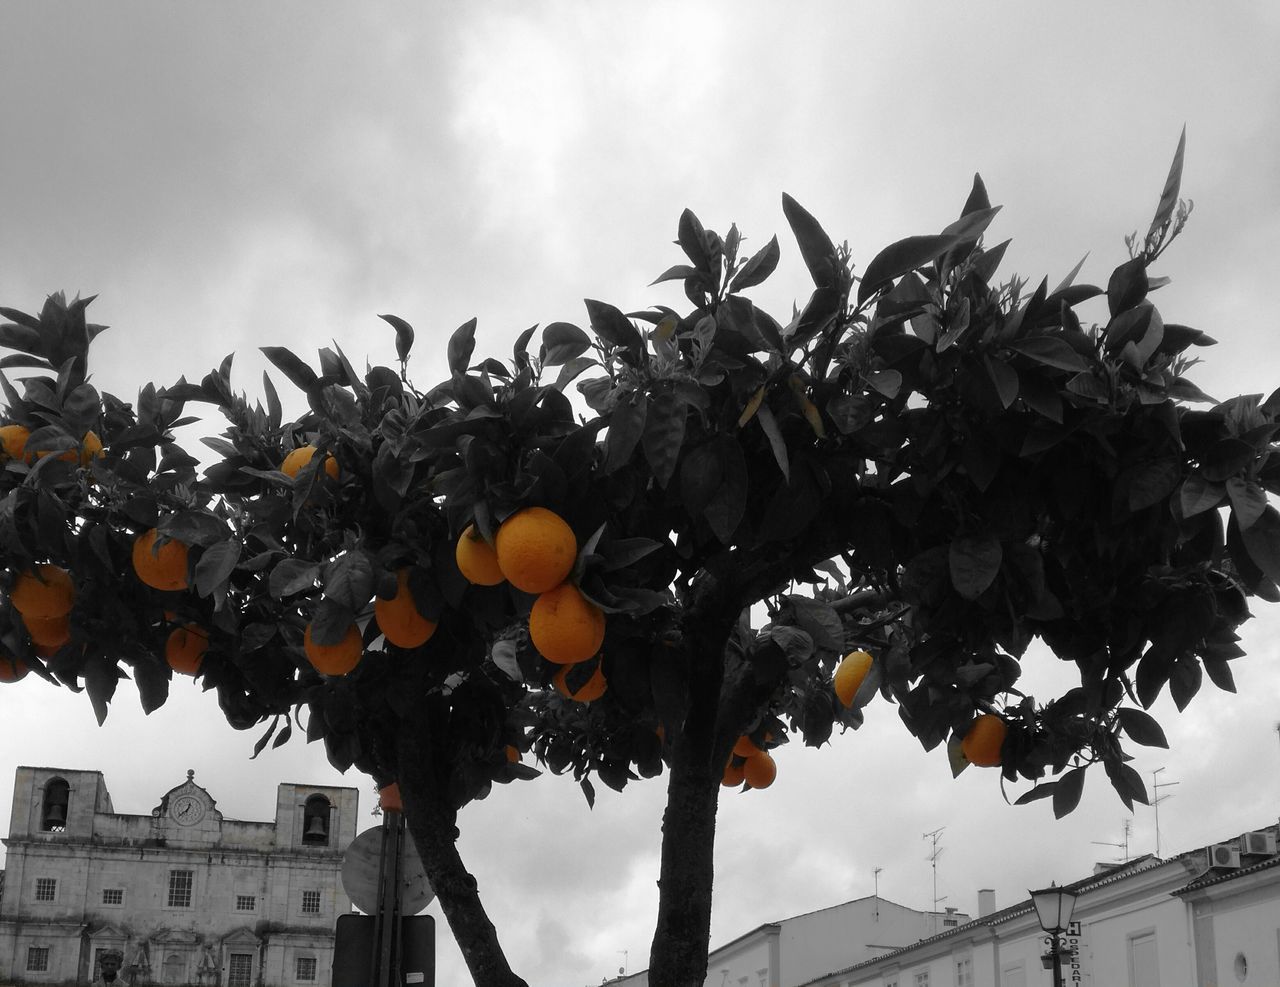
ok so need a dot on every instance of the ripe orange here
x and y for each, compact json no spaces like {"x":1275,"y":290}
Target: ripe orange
{"x":536,"y":549}
{"x":185,"y":648}
{"x":14,"y":440}
{"x":760,"y":770}
{"x":334,"y":659}
{"x":589,"y":691}
{"x":46,"y":592}
{"x":745,"y":747}
{"x":299,"y":457}
{"x":49,"y":633}
{"x":164,"y":568}
{"x":982,"y":744}
{"x":398,"y":617}
{"x":477,"y":561}
{"x":734,"y":774}
{"x":389,"y":798}
{"x":90,"y":448}
{"x":513,"y":755}
{"x":565,"y":626}
{"x":12,"y":669}
{"x":849,"y":675}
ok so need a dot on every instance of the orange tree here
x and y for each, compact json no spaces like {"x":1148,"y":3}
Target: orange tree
{"x":925,"y":468}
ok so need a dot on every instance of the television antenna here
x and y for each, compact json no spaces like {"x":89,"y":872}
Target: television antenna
{"x":875,"y":874}
{"x":1123,"y":846}
{"x":1157,"y":798}
{"x":934,"y":853}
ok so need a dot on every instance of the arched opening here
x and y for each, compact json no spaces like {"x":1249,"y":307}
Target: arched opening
{"x":315,"y":820}
{"x":53,"y":807}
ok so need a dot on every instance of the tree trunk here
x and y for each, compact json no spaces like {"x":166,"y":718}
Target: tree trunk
{"x":682,"y":936}
{"x":433,"y":825}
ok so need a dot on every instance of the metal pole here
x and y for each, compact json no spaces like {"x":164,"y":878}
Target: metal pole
{"x":1057,"y":961}
{"x":386,"y":923}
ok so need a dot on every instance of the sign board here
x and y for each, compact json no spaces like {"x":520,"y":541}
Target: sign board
{"x":360,"y":865}
{"x":353,"y":950}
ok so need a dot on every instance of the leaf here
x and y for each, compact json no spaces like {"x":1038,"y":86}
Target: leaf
{"x":729,"y":503}
{"x":1248,"y":501}
{"x":503,"y":655}
{"x":1127,"y":783}
{"x":955,"y":756}
{"x":1067,"y":791}
{"x":1142,"y":727}
{"x":1152,"y":482}
{"x":978,"y":199}
{"x":404,"y":335}
{"x":693,"y":240}
{"x":779,"y":446}
{"x":284,"y":360}
{"x":1262,"y":542}
{"x":1198,"y":495}
{"x":624,"y":552}
{"x":1041,"y":791}
{"x":275,"y":413}
{"x":816,"y":248}
{"x":461,"y":345}
{"x":1050,"y":351}
{"x":761,"y":264}
{"x":1127,"y":285}
{"x":1070,"y":279}
{"x":663,"y":435}
{"x":215,"y":567}
{"x":571,"y":370}
{"x":561,"y":342}
{"x":292,"y":576}
{"x":753,"y":405}
{"x":1004,"y":378}
{"x":974,"y":563}
{"x":1220,"y":674}
{"x":101,"y":676}
{"x":626,"y":425}
{"x":1169,"y":197}
{"x":676,"y":273}
{"x":611,"y":326}
{"x":972,"y":224}
{"x":898,"y":258}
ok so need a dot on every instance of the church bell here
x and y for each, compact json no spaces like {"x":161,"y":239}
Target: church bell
{"x":316,"y":829}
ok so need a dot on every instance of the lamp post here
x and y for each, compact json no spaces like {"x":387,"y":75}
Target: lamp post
{"x":1054,"y":906}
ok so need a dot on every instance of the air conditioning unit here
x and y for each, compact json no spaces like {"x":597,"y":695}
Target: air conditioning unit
{"x":1223,"y":855}
{"x":1260,"y":842}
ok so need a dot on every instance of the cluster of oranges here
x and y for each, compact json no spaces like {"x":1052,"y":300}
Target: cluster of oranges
{"x":13,"y":445}
{"x":43,"y":596}
{"x":535,"y":550}
{"x":749,"y":763}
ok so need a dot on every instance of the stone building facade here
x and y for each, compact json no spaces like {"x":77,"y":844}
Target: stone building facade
{"x":188,"y":897}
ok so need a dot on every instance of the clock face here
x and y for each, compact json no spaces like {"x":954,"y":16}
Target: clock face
{"x":186,"y":810}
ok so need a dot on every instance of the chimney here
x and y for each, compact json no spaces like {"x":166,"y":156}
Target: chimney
{"x":986,"y":902}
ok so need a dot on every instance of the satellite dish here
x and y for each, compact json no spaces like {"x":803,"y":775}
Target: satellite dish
{"x":361,"y":863}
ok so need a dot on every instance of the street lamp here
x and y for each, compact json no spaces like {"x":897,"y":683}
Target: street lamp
{"x":1054,"y":906}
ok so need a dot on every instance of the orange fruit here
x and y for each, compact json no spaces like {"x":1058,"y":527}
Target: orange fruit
{"x":163,"y":568}
{"x":849,"y":675}
{"x":513,"y":755}
{"x":50,"y":633}
{"x":734,"y":774}
{"x":90,"y":448}
{"x":565,"y":626}
{"x":301,"y":456}
{"x":982,"y":744}
{"x":13,"y":438}
{"x":745,"y":747}
{"x":389,"y":798}
{"x":536,"y":549}
{"x":398,"y":617}
{"x":46,"y":592}
{"x":760,"y":770}
{"x":477,"y":561}
{"x":12,"y":669}
{"x":589,"y":691}
{"x":185,"y":648}
{"x":334,"y":659}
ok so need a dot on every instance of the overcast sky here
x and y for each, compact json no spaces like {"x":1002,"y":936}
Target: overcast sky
{"x":238,"y":174}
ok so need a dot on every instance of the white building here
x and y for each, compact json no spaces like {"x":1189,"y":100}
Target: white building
{"x":794,"y":950}
{"x":1205,"y":918}
{"x":187,"y":896}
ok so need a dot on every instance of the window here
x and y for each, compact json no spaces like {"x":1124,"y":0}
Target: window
{"x":315,"y":821}
{"x":239,"y":969}
{"x":246,"y":903}
{"x":964,"y":972}
{"x":37,"y":959}
{"x":180,"y":888}
{"x":311,"y":902}
{"x":306,"y":968}
{"x":53,"y":808}
{"x":113,"y":896}
{"x":950,"y":922}
{"x":922,"y":978}
{"x":46,"y":889}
